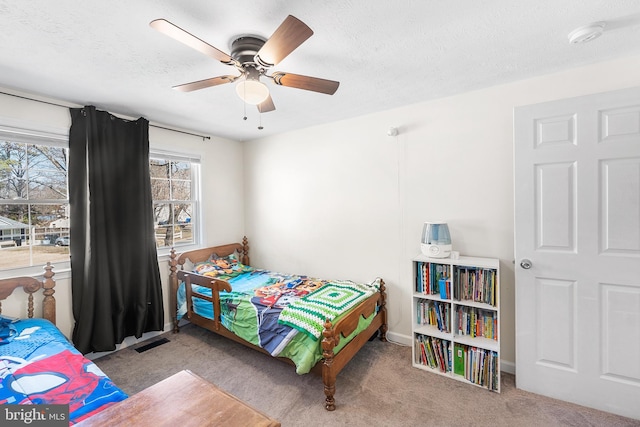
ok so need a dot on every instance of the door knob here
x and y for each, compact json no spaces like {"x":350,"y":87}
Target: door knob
{"x":526,"y":264}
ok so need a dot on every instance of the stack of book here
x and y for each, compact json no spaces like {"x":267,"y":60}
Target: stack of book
{"x":433,"y":352}
{"x":475,"y":284}
{"x":477,"y":322}
{"x":434,"y":313}
{"x":476,"y":365}
{"x":429,"y":278}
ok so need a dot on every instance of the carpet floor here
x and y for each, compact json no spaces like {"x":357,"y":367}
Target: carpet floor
{"x":378,"y":387}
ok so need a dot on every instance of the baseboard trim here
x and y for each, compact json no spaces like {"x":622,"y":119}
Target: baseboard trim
{"x":507,"y":366}
{"x":399,"y":339}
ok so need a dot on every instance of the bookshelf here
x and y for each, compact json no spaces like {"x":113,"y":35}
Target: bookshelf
{"x":456,"y":318}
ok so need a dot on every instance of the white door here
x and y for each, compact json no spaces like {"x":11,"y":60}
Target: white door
{"x":577,"y":247}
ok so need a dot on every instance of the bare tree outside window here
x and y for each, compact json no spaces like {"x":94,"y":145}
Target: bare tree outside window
{"x":172,"y":187}
{"x":34,"y":207}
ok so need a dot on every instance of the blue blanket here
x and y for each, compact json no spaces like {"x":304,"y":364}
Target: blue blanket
{"x":38,"y":365}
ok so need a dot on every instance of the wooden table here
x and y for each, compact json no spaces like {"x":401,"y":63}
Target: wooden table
{"x":183,"y":400}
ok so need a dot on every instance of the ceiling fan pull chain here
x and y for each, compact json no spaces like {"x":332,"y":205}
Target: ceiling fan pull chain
{"x":252,"y":56}
{"x":260,"y":123}
{"x":244,"y":108}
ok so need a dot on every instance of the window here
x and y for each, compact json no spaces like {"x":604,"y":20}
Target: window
{"x":34,"y":202}
{"x":174,"y":188}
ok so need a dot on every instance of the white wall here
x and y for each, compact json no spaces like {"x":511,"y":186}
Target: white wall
{"x":345,"y":200}
{"x":221,"y":168}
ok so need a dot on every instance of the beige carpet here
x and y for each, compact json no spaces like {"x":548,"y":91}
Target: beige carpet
{"x":379,"y":387}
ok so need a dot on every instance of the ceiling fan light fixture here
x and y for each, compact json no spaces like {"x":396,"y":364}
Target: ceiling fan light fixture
{"x":252,"y":91}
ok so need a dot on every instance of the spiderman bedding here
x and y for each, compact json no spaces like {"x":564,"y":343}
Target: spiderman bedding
{"x":281,"y":313}
{"x":39,"y":366}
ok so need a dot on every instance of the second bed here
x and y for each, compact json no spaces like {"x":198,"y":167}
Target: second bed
{"x":312,"y":323}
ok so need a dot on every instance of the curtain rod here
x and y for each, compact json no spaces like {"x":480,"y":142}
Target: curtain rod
{"x":66,"y":106}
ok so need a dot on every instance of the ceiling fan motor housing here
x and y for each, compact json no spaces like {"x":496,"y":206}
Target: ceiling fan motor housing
{"x":244,"y":49}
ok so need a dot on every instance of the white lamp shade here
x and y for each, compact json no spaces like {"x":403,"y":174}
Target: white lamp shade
{"x":252,"y":91}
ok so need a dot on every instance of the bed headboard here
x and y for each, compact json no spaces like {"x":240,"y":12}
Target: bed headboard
{"x":200,"y":255}
{"x":30,"y":286}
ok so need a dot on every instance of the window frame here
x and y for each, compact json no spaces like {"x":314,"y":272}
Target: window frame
{"x":196,"y":199}
{"x":41,"y":135}
{"x":31,"y":133}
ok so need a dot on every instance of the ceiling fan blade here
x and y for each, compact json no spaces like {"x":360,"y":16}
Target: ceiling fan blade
{"x":314,"y":84}
{"x":266,"y":105}
{"x":287,"y":37}
{"x":190,"y":40}
{"x":202,"y":84}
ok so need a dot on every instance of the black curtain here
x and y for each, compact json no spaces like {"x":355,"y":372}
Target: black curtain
{"x":115,"y":280}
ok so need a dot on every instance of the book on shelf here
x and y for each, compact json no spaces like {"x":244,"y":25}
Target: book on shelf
{"x":477,"y":365}
{"x":458,"y":359}
{"x":475,"y":284}
{"x":439,"y":318}
{"x":429,"y":276}
{"x":444,"y":286}
{"x":433,"y":352}
{"x":476,"y":322}
{"x":423,"y":283}
{"x":434,"y":313}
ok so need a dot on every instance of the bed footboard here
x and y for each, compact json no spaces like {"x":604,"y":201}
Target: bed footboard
{"x":216,"y":287}
{"x":333,"y":363}
{"x":176,"y":264}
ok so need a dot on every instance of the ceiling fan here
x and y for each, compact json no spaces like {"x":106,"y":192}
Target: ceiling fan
{"x":253,"y":56}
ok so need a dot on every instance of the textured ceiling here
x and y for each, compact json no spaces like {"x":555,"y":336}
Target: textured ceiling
{"x":385,"y":54}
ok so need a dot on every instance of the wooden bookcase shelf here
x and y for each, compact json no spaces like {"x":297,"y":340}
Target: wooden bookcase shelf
{"x":456,"y":318}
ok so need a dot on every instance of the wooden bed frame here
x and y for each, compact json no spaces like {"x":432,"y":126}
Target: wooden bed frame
{"x":331,"y":363}
{"x":30,"y":286}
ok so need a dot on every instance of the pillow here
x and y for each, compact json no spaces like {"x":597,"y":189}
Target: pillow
{"x":223,"y":267}
{"x":204,"y":267}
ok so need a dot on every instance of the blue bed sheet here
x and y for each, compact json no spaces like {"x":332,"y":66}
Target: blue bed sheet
{"x":38,"y":365}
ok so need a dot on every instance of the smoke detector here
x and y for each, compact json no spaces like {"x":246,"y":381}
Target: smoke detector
{"x":586,"y":33}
